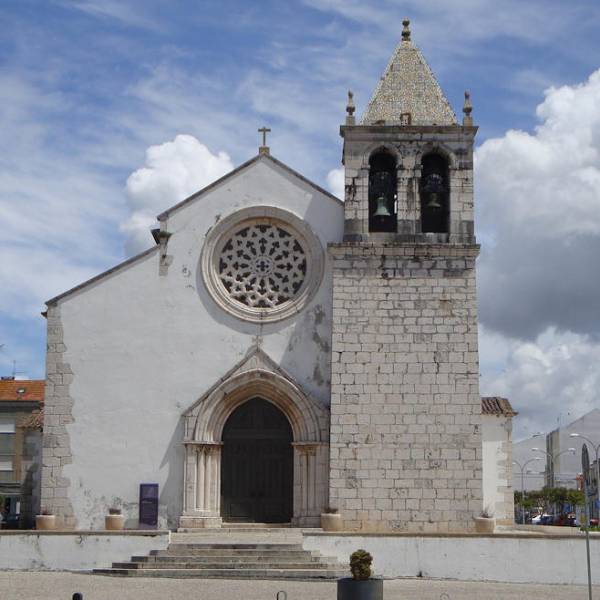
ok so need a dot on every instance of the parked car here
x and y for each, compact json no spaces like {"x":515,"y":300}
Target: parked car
{"x":571,"y":520}
{"x":546,"y":520}
{"x":536,"y":520}
{"x":10,"y":521}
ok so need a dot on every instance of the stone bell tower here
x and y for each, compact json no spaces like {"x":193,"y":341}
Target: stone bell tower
{"x":405,"y":406}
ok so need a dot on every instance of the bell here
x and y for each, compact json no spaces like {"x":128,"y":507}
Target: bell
{"x":432,"y":203}
{"x":382,"y":209}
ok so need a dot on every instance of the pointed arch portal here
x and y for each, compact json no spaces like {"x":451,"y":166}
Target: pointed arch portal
{"x":257,"y":475}
{"x":256,"y":450}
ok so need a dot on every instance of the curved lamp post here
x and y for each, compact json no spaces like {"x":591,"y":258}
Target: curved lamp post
{"x":553,"y":457}
{"x":596,"y":448}
{"x":522,"y":468}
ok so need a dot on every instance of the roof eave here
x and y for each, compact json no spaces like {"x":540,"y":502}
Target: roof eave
{"x":409,"y":129}
{"x":167,"y":213}
{"x":102,"y":275}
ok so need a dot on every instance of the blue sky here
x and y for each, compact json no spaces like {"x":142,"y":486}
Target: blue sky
{"x":88,"y":86}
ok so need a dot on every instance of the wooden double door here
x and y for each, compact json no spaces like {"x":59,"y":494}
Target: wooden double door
{"x":257,"y":474}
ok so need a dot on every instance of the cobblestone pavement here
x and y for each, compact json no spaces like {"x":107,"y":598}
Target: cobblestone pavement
{"x":60,"y":586}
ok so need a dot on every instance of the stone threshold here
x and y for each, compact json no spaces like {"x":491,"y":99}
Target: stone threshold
{"x":496,"y":535}
{"x":87,"y":532}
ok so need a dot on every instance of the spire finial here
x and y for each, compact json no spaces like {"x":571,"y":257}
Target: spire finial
{"x":467,"y":110}
{"x":350,"y":108}
{"x":405,"y":30}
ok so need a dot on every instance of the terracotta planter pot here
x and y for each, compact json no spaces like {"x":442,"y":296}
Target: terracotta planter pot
{"x":485,"y":524}
{"x":45,"y":522}
{"x":331,"y":522}
{"x":114,"y":522}
{"x":369,"y":589}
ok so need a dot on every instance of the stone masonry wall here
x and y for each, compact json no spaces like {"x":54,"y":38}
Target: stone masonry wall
{"x":406,"y":450}
{"x":56,"y":452}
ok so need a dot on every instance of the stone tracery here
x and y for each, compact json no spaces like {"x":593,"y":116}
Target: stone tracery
{"x":262,"y":265}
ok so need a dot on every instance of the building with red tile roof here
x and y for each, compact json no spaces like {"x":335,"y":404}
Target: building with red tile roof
{"x":21,"y":423}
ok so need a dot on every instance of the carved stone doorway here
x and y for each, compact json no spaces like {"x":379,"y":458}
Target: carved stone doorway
{"x":257,"y":470}
{"x":306,"y":424}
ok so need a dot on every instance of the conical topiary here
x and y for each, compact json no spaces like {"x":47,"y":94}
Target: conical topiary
{"x":360,"y":565}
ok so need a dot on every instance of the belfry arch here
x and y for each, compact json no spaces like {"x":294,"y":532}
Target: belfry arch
{"x":257,"y":377}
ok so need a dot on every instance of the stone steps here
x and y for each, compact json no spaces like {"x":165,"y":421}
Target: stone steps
{"x":240,"y":527}
{"x":235,"y":546}
{"x":296,"y":574}
{"x":230,"y":561}
{"x":285,"y":557}
{"x":256,"y":564}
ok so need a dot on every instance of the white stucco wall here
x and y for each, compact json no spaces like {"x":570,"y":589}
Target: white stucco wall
{"x":516,"y":559}
{"x":59,"y":551}
{"x":144,"y":348}
{"x":497,"y":469}
{"x":532,"y":478}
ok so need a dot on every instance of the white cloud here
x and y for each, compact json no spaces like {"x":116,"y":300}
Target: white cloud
{"x":533,"y":21}
{"x":172,"y":172}
{"x":58,"y":213}
{"x":130,"y":15}
{"x":556,"y":374}
{"x":335,"y":182}
{"x":538,"y":199}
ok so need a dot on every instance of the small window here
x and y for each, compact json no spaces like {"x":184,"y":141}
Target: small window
{"x":7,"y":443}
{"x":7,"y":425}
{"x":6,"y":463}
{"x":382,"y":192}
{"x":434,"y":194}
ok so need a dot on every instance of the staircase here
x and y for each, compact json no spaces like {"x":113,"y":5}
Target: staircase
{"x":189,"y":557}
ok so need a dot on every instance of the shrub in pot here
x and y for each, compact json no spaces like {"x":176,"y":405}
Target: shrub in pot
{"x":331,"y":520}
{"x":485,"y":522}
{"x":114,"y":521}
{"x":360,"y":586}
{"x":45,"y":521}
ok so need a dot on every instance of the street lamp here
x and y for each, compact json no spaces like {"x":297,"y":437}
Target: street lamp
{"x":553,"y":457}
{"x":522,"y":468}
{"x":596,"y":448}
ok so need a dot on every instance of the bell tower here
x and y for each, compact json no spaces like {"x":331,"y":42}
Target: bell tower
{"x":405,"y":406}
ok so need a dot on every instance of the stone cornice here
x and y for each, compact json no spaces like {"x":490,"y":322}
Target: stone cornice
{"x":409,"y":250}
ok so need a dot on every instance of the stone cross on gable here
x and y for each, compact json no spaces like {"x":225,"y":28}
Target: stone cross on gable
{"x":264,"y":149}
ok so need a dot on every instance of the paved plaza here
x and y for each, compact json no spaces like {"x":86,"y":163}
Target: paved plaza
{"x":61,"y":586}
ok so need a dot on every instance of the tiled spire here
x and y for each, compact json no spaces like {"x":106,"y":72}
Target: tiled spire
{"x":408,"y":92}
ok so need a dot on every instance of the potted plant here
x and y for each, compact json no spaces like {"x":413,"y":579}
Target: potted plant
{"x":45,"y":520}
{"x":114,"y":520}
{"x":331,"y":520}
{"x":360,"y":586}
{"x":485,"y":522}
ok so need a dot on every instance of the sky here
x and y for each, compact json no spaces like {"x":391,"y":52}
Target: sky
{"x":113,"y":110}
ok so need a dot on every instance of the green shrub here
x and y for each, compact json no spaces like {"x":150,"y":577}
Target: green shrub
{"x":360,"y":565}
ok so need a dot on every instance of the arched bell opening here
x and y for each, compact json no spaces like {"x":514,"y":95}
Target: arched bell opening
{"x":257,"y":465}
{"x":383,"y":210}
{"x":434,"y":191}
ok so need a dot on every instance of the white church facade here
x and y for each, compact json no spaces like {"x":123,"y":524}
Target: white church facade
{"x":280,"y":351}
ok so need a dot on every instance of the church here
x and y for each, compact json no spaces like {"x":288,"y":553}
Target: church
{"x":280,"y":352}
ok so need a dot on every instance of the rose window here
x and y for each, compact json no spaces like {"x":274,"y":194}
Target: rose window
{"x":262,"y":265}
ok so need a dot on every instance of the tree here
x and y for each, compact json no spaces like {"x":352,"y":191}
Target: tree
{"x":575,"y":497}
{"x":547,"y":497}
